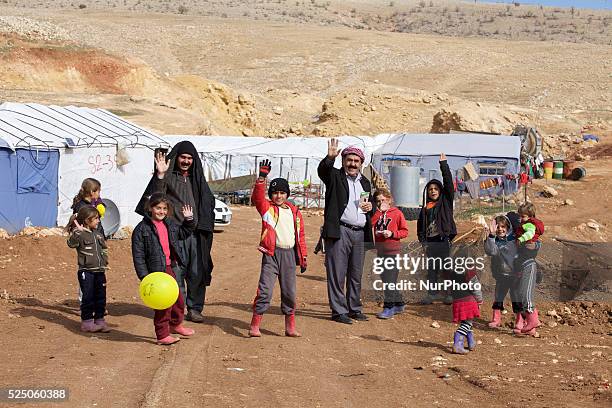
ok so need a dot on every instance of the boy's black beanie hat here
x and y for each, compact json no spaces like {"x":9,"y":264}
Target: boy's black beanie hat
{"x":278,"y":184}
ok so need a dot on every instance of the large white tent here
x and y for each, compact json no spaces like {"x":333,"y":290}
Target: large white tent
{"x":295,"y":158}
{"x":88,"y":141}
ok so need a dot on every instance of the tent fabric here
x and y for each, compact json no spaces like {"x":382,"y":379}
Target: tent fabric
{"x":459,"y":144}
{"x":28,"y":188}
{"x":294,"y":158}
{"x":42,"y":126}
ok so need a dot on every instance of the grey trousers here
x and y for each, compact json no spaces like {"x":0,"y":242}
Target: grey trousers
{"x":527,"y":285}
{"x":344,"y":266}
{"x":191,"y":283}
{"x":282,"y":266}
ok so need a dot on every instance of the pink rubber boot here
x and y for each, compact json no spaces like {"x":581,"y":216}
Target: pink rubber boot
{"x":518,"y":323}
{"x":532,"y":322}
{"x":182,"y":330}
{"x":168,"y":340}
{"x":290,"y":326}
{"x":255,"y":322}
{"x":496,"y":319}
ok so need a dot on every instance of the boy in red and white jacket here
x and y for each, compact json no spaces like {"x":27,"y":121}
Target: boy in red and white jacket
{"x":389,"y":227}
{"x":283,"y":245}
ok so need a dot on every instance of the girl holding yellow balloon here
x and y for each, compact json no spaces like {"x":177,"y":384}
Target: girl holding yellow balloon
{"x":155,"y":252}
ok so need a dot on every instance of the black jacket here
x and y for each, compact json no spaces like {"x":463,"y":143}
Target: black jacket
{"x":445,"y":221}
{"x":147,"y":252}
{"x":336,"y":199}
{"x":203,"y":196}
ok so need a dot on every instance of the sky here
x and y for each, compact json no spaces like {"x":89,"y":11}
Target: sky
{"x":595,"y":4}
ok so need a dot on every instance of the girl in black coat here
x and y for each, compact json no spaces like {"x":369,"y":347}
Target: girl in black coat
{"x":155,"y":248}
{"x":436,"y":226}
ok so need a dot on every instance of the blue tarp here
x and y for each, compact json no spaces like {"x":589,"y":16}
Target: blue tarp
{"x":28,"y":188}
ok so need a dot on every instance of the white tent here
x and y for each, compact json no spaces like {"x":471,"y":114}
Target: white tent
{"x":294,"y":158}
{"x":88,"y":141}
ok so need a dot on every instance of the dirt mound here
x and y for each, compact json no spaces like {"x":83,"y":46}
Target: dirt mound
{"x":59,"y":67}
{"x":227,"y":111}
{"x":474,"y":117}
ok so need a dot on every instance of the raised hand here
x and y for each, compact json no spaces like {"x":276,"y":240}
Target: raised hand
{"x":187,"y":211}
{"x":161,"y":164}
{"x":492,"y":227}
{"x":78,"y":226}
{"x":264,"y":168}
{"x":332,"y":148}
{"x":442,"y":157}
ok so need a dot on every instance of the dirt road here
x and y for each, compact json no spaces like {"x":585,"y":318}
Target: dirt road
{"x":401,"y":362}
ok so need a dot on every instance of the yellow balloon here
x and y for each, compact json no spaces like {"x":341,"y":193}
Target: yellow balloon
{"x":158,"y":290}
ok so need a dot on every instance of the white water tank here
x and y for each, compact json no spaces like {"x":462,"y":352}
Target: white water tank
{"x":405,"y":186}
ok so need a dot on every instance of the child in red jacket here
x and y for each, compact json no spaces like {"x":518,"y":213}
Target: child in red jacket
{"x":283,"y":245}
{"x":389,"y":227}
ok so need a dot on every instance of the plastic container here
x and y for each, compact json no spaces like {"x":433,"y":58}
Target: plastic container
{"x":405,"y":185}
{"x":578,"y":173}
{"x":558,"y":169}
{"x":548,"y":169}
{"x":568,"y":167}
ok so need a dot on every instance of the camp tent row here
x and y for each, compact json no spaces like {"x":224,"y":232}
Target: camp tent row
{"x":46,"y":151}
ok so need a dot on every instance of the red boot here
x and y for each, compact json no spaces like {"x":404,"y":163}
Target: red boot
{"x":532,"y":322}
{"x":255,"y":322}
{"x":518,"y":323}
{"x":290,"y":326}
{"x":496,"y":319}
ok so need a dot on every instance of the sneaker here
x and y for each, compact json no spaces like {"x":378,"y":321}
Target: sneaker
{"x":342,"y":319}
{"x":399,"y":309}
{"x":358,"y":316}
{"x":194,"y":316}
{"x":88,"y":326}
{"x":103,"y":326}
{"x":387,"y":313}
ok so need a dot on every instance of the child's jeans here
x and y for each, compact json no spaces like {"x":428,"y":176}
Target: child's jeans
{"x":93,"y":301}
{"x":172,"y":316}
{"x":503,"y":285}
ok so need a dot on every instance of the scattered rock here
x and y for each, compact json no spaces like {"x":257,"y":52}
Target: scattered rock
{"x":593,"y":225}
{"x":4,"y":234}
{"x":278,"y":110}
{"x":568,"y":202}
{"x":548,"y":191}
{"x":435,"y":325}
{"x":123,"y":233}
{"x":497,"y":341}
{"x":28,"y":231}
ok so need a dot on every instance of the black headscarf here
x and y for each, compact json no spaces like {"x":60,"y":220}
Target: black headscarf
{"x":203,"y":196}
